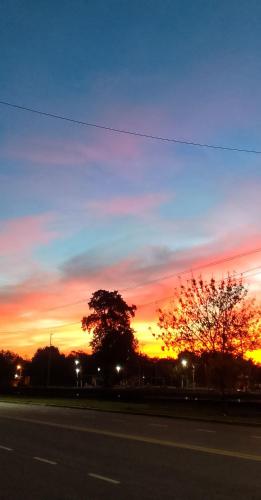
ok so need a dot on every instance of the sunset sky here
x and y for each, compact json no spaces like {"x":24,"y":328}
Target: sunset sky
{"x":83,"y":208}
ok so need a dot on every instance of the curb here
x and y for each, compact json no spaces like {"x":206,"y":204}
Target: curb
{"x":142,"y":414}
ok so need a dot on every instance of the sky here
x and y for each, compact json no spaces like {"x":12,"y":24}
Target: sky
{"x":83,"y":208}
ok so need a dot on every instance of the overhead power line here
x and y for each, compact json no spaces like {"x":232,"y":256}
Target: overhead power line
{"x":43,"y":328}
{"x":219,"y":281}
{"x":187,"y":271}
{"x":185,"y":142}
{"x":140,"y":306}
{"x":163,"y":278}
{"x":192,"y":269}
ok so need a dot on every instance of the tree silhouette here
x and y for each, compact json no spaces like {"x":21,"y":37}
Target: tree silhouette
{"x":215,"y":319}
{"x":8,"y":362}
{"x":48,"y":367}
{"x":113,"y":338}
{"x":212,"y":317}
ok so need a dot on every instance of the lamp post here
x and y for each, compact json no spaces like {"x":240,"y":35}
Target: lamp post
{"x":184,"y":364}
{"x":118,"y":369}
{"x":77,"y":370}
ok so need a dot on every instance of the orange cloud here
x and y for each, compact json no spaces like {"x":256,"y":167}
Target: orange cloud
{"x":31,"y":309}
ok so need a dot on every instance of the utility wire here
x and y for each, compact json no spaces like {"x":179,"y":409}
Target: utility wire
{"x":162,"y":278}
{"x":126,"y":131}
{"x":187,"y":271}
{"x":191,"y":270}
{"x":56,"y":327}
{"x":219,"y":281}
{"x":140,"y":306}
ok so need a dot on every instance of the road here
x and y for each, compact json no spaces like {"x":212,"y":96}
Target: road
{"x":49,"y":453}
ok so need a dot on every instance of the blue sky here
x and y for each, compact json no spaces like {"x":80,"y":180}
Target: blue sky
{"x":83,"y":208}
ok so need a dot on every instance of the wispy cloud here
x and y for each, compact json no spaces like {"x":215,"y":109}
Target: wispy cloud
{"x":56,"y":152}
{"x":53,"y":300}
{"x":128,"y":205}
{"x":24,"y":233}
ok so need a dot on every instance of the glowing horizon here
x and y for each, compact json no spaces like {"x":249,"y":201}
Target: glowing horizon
{"x":66,"y":330}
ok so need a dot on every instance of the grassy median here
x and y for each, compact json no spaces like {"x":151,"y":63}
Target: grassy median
{"x":224,"y":413}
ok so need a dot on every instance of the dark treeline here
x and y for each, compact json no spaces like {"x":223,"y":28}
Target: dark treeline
{"x":49,"y":367}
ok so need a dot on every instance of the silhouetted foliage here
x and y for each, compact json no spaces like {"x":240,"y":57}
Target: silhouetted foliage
{"x":48,"y":367}
{"x":87,"y":366}
{"x":211,"y":317}
{"x":215,"y":320}
{"x":8,"y":363}
{"x":224,"y":371}
{"x":208,"y":370}
{"x":113,"y":340}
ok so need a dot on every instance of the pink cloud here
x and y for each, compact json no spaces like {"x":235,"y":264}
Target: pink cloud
{"x":128,"y":205}
{"x":108,"y":148}
{"x":23,"y":233}
{"x":115,"y":151}
{"x":46,"y":299}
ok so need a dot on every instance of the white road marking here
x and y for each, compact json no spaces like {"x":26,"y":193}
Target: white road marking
{"x":206,"y":430}
{"x":6,"y":448}
{"x":104,"y":478}
{"x":158,"y":425}
{"x":139,"y":439}
{"x":256,"y":437}
{"x":45,"y":460}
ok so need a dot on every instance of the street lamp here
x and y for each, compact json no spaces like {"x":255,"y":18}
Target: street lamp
{"x":77,"y":370}
{"x":118,"y":368}
{"x":184,"y":364}
{"x":18,"y":374}
{"x":98,"y":369}
{"x":19,"y":371}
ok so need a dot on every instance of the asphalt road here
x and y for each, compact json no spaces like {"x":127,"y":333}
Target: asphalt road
{"x":56,"y":453}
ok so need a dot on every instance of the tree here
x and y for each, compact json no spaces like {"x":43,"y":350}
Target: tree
{"x":212,"y":317}
{"x":8,"y":363}
{"x":85,"y":363}
{"x":48,"y":367}
{"x":113,"y":338}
